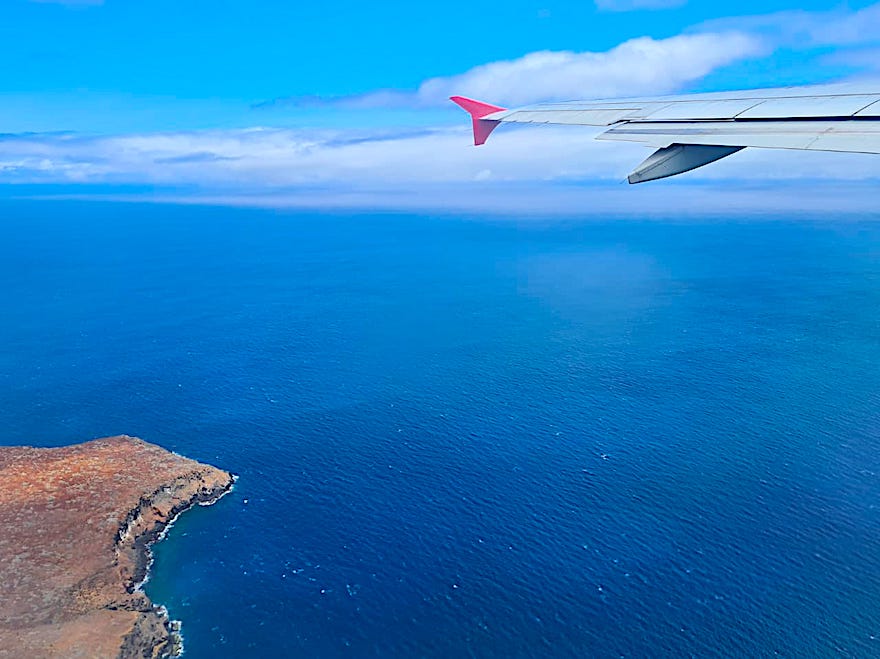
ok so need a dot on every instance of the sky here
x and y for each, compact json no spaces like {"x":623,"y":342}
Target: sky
{"x":345,"y":103}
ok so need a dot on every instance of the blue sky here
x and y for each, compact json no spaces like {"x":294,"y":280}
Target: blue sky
{"x":226,"y":94}
{"x":247,"y":51}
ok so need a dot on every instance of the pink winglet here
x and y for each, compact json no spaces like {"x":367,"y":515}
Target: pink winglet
{"x":477,"y":109}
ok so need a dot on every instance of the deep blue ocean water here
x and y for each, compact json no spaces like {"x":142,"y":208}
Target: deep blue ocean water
{"x":465,"y":436}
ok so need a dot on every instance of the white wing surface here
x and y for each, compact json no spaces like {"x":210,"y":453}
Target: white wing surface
{"x":695,"y":130}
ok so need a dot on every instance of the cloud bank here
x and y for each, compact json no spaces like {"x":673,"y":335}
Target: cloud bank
{"x":269,"y":161}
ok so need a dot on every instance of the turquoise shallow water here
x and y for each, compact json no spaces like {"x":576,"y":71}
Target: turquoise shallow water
{"x":463,"y":436}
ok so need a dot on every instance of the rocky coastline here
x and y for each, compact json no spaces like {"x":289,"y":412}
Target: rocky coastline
{"x":78,"y":525}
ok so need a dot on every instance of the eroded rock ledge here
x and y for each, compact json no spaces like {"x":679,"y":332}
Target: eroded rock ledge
{"x":77,"y":523}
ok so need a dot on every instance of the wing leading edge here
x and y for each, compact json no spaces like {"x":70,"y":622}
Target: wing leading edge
{"x":692,"y":131}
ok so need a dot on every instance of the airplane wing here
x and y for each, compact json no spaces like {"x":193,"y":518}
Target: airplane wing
{"x":695,"y":130}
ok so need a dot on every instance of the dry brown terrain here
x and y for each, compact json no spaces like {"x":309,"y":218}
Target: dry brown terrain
{"x":75,"y":523}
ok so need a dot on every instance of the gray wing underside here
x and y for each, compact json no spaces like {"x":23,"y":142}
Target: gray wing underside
{"x":691,"y":131}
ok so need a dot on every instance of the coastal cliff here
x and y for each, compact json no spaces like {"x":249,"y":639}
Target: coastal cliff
{"x":77,"y":523}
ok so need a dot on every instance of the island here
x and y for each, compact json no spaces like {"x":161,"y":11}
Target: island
{"x":76,"y":525}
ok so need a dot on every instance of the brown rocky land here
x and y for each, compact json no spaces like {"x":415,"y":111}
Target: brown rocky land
{"x":75,"y":528}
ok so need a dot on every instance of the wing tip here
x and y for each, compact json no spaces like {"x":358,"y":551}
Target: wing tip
{"x":478,"y":109}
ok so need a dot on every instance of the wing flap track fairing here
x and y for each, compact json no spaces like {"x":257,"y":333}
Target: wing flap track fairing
{"x":677,"y":159}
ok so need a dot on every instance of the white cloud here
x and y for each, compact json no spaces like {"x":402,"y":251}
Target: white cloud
{"x":821,"y":42}
{"x":539,"y":170}
{"x":804,"y":29}
{"x":633,"y":5}
{"x":639,"y":66}
{"x":276,"y":158}
{"x":269,"y":161}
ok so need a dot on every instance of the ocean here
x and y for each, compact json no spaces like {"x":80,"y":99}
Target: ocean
{"x":469,"y":436}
